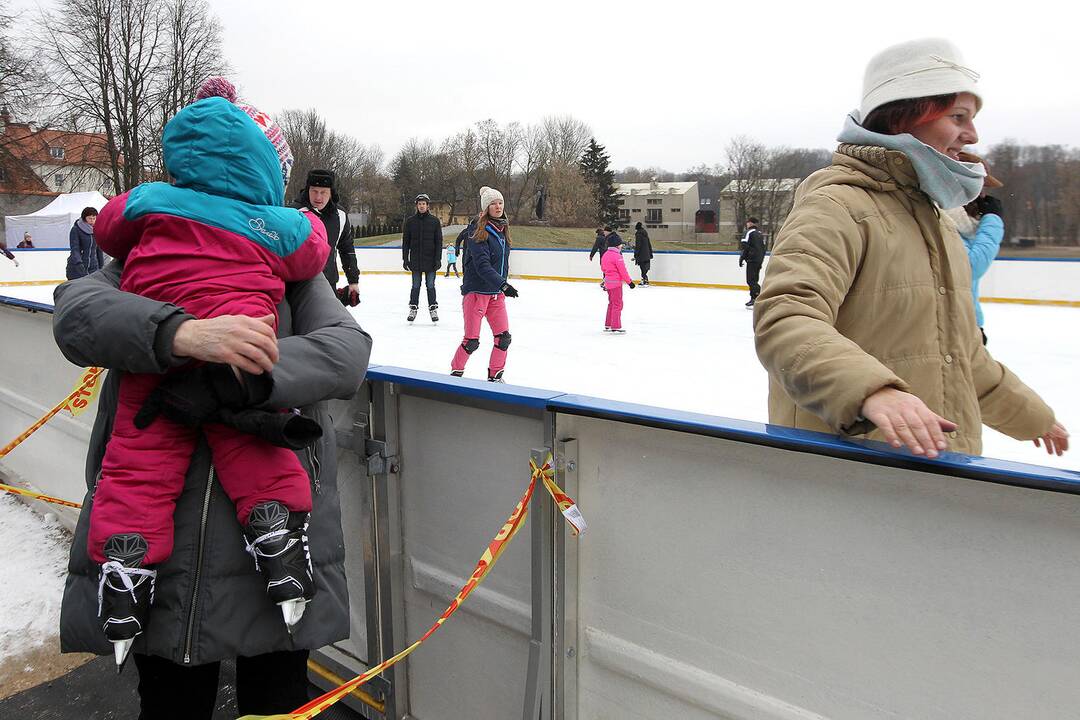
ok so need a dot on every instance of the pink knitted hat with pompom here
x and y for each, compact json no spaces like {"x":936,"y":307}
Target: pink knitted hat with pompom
{"x":222,"y":88}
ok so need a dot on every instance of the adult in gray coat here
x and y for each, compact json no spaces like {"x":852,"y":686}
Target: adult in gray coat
{"x":210,"y":603}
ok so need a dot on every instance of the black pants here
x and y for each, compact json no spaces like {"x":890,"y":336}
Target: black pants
{"x":645,"y":270}
{"x":269,"y":684}
{"x":753,"y":270}
{"x":428,"y":277}
{"x":448,"y":267}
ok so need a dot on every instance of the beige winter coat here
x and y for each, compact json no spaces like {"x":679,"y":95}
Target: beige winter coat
{"x":869,"y":286}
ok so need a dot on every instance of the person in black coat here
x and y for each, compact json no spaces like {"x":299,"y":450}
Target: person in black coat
{"x":86,"y":257}
{"x":643,"y":253}
{"x":421,"y":254}
{"x":599,"y":244}
{"x":753,"y":254}
{"x":319,"y":195}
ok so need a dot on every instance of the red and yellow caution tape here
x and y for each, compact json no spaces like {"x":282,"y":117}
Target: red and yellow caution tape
{"x":495,"y":548}
{"x":86,"y":389}
{"x":38,"y":496}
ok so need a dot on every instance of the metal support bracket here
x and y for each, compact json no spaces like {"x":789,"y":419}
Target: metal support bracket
{"x":377,"y":460}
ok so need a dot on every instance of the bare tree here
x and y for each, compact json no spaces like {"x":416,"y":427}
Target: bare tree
{"x":18,"y":79}
{"x":567,"y":137}
{"x":123,"y":67}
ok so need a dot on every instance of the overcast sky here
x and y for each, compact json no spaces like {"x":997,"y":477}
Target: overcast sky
{"x":660,"y":83}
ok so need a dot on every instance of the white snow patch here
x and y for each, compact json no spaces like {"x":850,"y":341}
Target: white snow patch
{"x":31,"y":577}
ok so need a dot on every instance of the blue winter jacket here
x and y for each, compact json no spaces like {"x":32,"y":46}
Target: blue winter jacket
{"x":486,"y":264}
{"x":982,"y":248}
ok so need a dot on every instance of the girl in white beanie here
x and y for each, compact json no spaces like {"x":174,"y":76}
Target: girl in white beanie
{"x":865,"y":321}
{"x":485,"y":267}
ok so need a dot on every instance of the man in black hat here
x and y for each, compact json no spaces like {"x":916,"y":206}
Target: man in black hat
{"x":421,"y":252}
{"x":320,"y":196}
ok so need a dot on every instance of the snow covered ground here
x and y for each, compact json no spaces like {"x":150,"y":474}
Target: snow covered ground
{"x":685,"y":348}
{"x":31,"y":577}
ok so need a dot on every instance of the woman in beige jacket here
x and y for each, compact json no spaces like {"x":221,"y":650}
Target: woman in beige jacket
{"x":865,"y":321}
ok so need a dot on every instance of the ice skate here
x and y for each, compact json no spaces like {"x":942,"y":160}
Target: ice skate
{"x":496,"y":378}
{"x":412,"y":312}
{"x":434,"y":310}
{"x":618,"y":331}
{"x":277,"y":539}
{"x":751,"y":303}
{"x":125,"y":592}
{"x":457,"y":373}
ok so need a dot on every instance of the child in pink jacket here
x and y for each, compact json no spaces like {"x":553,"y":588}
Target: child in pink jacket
{"x":615,"y":274}
{"x":216,"y":242}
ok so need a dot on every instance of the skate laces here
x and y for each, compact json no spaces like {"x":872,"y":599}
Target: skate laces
{"x":125,"y":574}
{"x":252,"y":547}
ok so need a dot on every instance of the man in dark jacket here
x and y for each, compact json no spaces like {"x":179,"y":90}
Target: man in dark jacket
{"x":86,"y":257}
{"x":643,"y":253}
{"x":320,"y":196}
{"x":210,"y":602}
{"x":753,"y":254}
{"x":599,"y":244}
{"x":421,"y":254}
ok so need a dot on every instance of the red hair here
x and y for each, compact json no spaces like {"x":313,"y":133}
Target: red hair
{"x":900,"y":116}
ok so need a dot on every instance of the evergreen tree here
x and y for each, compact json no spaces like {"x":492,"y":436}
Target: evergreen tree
{"x":595,"y":167}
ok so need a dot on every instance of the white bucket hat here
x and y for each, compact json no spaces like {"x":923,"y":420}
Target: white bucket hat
{"x":915,"y":69}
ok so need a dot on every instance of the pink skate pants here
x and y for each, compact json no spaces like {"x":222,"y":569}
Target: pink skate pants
{"x":476,"y":307}
{"x":143,"y":472}
{"x":614,"y":306}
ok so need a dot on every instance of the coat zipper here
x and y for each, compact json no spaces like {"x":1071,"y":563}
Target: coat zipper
{"x":198,"y":567}
{"x":313,"y":461}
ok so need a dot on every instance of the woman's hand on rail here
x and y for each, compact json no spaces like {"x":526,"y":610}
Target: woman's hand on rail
{"x":1056,"y":440}
{"x":244,"y":342}
{"x":907,"y":421}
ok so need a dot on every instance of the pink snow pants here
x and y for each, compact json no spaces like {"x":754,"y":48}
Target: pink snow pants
{"x":614,"y":306}
{"x":143,"y":472}
{"x":476,"y":307}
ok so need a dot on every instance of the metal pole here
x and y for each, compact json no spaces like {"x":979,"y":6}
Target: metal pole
{"x":538,"y":680}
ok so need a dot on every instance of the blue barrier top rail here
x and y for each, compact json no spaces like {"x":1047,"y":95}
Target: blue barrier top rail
{"x":1002,"y":472}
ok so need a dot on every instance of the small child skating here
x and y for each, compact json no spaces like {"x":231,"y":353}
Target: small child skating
{"x":217,"y":242}
{"x":451,"y":261}
{"x":615,"y":274}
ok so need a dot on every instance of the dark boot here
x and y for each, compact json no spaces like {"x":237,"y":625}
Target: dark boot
{"x":125,"y":592}
{"x":277,"y":539}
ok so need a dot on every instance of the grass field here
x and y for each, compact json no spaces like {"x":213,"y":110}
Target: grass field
{"x":531,"y":236}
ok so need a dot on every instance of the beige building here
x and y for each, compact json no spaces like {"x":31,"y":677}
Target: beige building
{"x":666,"y":209}
{"x":768,"y":199}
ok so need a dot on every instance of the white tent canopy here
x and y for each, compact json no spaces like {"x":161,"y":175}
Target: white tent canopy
{"x":50,"y":225}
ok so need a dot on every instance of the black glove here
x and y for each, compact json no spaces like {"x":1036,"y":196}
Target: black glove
{"x":741,"y":261}
{"x":633,"y":284}
{"x":283,"y":429}
{"x":990,"y":205}
{"x":193,"y":397}
{"x":348,"y":298}
{"x":406,"y":266}
{"x":509,"y":291}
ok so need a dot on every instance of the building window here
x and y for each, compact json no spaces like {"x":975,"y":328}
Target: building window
{"x":59,"y":180}
{"x":674,"y":210}
{"x":636,"y":210}
{"x":652,"y":201}
{"x":654,"y":215}
{"x":56,"y":152}
{"x":624,"y":214}
{"x":3,"y":175}
{"x":620,"y":201}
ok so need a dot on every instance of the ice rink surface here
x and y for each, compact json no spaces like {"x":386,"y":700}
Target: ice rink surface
{"x":685,"y":348}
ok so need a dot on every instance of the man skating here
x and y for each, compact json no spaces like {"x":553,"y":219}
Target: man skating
{"x":753,"y":254}
{"x":421,"y":254}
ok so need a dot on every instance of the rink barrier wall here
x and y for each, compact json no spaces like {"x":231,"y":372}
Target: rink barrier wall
{"x":731,"y":568}
{"x":1026,"y":281}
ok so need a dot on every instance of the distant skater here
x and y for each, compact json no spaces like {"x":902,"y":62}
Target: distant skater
{"x":615,"y":275}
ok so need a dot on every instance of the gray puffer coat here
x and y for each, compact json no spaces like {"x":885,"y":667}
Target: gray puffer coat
{"x":210,"y":603}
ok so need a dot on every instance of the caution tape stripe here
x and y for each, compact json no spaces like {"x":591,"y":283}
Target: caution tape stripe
{"x":487,"y":561}
{"x":38,"y":496}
